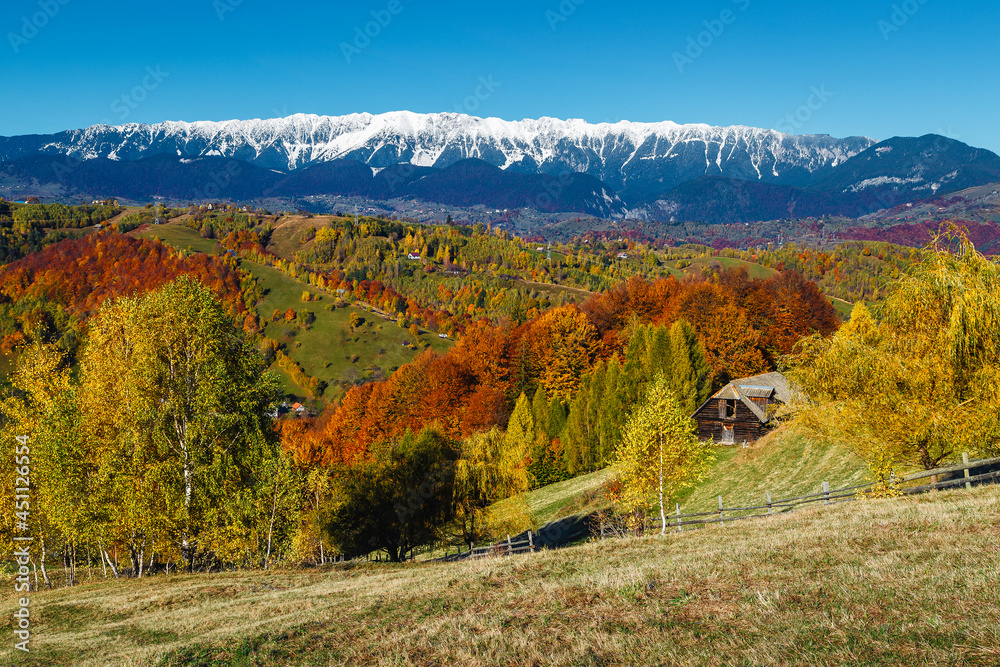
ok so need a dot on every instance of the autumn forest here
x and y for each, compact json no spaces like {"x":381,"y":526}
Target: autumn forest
{"x":143,"y":365}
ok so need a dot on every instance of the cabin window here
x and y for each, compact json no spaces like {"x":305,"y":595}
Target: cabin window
{"x":727,"y":409}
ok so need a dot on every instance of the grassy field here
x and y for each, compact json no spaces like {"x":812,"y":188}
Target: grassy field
{"x":844,"y":308}
{"x":179,"y":236}
{"x":329,"y":349}
{"x":698,"y":263}
{"x":575,"y":496}
{"x":285,"y":241}
{"x":787,"y":462}
{"x":877,"y":582}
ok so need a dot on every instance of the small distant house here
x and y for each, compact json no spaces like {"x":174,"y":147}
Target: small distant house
{"x":413,"y":256}
{"x":298,"y":407}
{"x":623,"y":255}
{"x":743,"y":410}
{"x":442,"y":335}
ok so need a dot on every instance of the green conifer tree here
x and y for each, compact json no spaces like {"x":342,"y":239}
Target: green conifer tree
{"x":613,"y":413}
{"x":690,"y":375}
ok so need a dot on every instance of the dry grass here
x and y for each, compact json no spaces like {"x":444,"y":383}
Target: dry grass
{"x":891,"y":582}
{"x":788,"y":462}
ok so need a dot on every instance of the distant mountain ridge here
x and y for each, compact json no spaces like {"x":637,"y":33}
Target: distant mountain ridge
{"x":650,"y":171}
{"x":466,"y":183}
{"x":638,"y":160}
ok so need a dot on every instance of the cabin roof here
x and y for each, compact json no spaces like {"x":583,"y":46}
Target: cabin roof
{"x":769,"y":385}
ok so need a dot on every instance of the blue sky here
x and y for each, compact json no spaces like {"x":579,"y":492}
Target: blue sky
{"x":852,"y":67}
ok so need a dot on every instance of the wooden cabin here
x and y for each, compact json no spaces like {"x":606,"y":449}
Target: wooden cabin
{"x":743,"y":410}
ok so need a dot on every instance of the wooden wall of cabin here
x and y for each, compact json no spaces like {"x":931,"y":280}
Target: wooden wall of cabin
{"x":746,"y":425}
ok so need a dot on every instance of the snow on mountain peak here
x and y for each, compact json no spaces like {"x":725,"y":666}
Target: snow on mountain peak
{"x":625,"y":154}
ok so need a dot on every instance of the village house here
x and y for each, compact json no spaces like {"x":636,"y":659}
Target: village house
{"x":743,"y":410}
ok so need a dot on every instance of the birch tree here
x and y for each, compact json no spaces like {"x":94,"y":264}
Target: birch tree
{"x":179,"y":400}
{"x":659,"y":453}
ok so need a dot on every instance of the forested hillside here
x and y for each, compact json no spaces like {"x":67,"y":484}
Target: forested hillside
{"x":555,"y":348}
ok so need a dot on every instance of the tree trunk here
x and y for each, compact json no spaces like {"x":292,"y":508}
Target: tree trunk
{"x":106,"y":557}
{"x":186,"y":548}
{"x":45,"y":574}
{"x":663,"y":515}
{"x":270,"y":527}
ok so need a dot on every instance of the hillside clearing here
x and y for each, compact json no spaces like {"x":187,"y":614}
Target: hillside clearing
{"x":885,"y":582}
{"x":788,"y":462}
{"x":699,"y":264}
{"x":328,"y":349}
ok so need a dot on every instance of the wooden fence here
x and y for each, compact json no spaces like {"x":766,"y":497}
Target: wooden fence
{"x":958,"y":475}
{"x":524,"y":543}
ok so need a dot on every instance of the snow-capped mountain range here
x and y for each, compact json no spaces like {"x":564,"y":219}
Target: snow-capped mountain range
{"x":636,"y":159}
{"x":651,"y":171}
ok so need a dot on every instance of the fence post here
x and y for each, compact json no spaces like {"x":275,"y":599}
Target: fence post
{"x":531,"y":541}
{"x":826,"y":490}
{"x":679,"y":527}
{"x":720,"y":508}
{"x":770,"y":510}
{"x":508,"y":543}
{"x":965,"y":460}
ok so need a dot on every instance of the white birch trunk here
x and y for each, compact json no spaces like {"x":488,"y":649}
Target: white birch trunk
{"x":663,"y":515}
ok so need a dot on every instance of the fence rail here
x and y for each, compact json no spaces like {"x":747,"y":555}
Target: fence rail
{"x":828,"y":496}
{"x":508,"y":547}
{"x":530,"y":542}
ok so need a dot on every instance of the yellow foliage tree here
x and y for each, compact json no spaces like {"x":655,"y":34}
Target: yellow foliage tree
{"x":918,"y":381}
{"x":565,"y":349}
{"x":491,"y":468}
{"x":659,"y":452}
